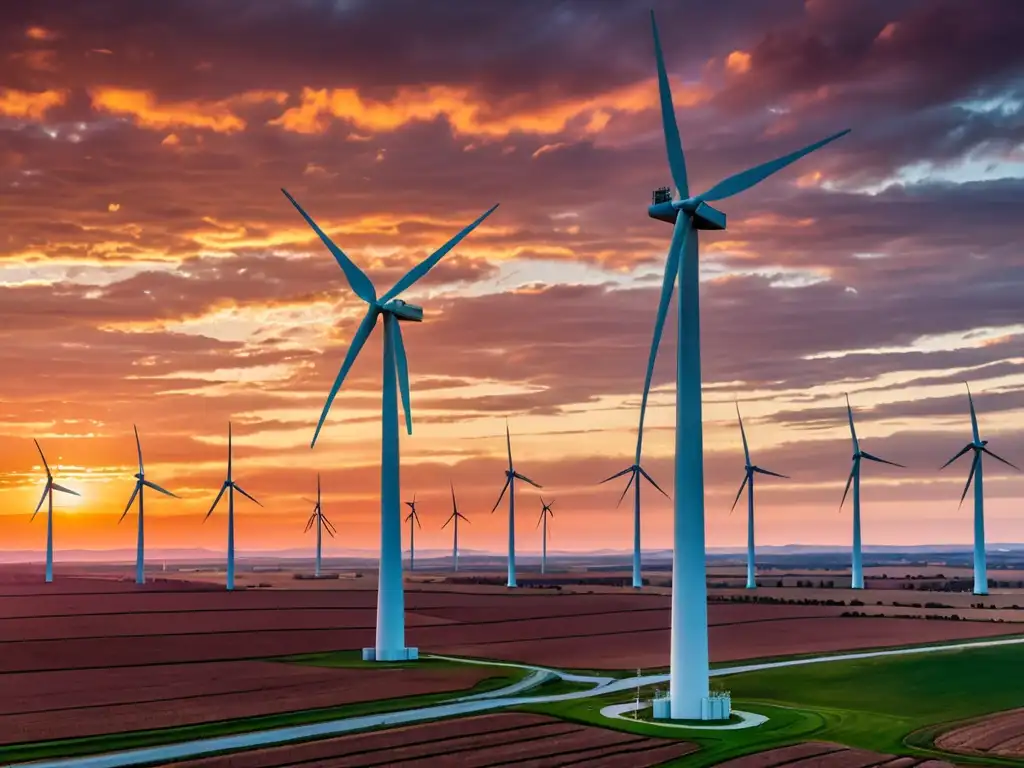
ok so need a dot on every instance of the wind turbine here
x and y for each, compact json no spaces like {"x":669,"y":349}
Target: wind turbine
{"x":979,"y":447}
{"x":857,"y":578}
{"x":510,"y":485}
{"x":411,"y":518}
{"x":322,"y":524}
{"x":230,"y":486}
{"x":545,"y":512}
{"x":140,"y":485}
{"x":455,"y":517}
{"x":635,"y":473}
{"x":390,"y":639}
{"x":689,"y":645}
{"x":748,"y":481}
{"x":48,"y":497}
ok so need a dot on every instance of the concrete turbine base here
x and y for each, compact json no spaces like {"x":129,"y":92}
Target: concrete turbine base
{"x":400,"y":654}
{"x":716,"y":707}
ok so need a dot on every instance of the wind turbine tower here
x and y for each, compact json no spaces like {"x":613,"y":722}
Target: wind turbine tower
{"x":322,"y":524}
{"x":748,"y":481}
{"x":230,"y":486}
{"x":47,"y":496}
{"x":511,"y":475}
{"x":411,"y":518}
{"x":857,"y":578}
{"x":454,"y":519}
{"x":390,"y":639}
{"x":979,"y":447}
{"x":545,"y":512}
{"x":689,"y":690}
{"x":141,"y":483}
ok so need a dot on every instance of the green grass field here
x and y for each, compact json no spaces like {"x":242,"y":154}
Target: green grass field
{"x":889,"y":704}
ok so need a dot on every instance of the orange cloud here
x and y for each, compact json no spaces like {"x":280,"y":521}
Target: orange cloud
{"x":40,"y":33}
{"x":171,"y":140}
{"x":469,"y":115}
{"x":29,"y":105}
{"x":218,"y":116}
{"x":811,"y":179}
{"x":738,"y":62}
{"x":888,"y":31}
{"x":39,"y":60}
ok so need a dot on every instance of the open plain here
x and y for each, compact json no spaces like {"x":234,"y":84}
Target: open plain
{"x":89,"y":656}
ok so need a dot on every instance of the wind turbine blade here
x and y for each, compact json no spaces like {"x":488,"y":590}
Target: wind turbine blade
{"x":853,"y":430}
{"x":743,"y":434}
{"x":402,"y":365}
{"x":330,"y":532}
{"x":250,"y":498}
{"x":45,"y":465}
{"x":872,"y":457}
{"x":960,"y":453}
{"x":450,"y":518}
{"x":998,"y":458}
{"x":46,"y":490}
{"x":62,"y":489}
{"x":502,"y":495}
{"x":970,"y":476}
{"x":673,"y":143}
{"x":417,"y":519}
{"x":455,"y":507}
{"x":508,"y":442}
{"x":309,"y":523}
{"x":651,"y":481}
{"x":463,"y":517}
{"x":525,"y":479}
{"x":675,"y":250}
{"x":849,"y":480}
{"x":362,"y":334}
{"x":328,"y":524}
{"x":539,"y":519}
{"x":357,"y":279}
{"x":746,"y":476}
{"x":135,"y":492}
{"x":746,"y":179}
{"x":617,"y":474}
{"x":214,"y":505}
{"x":974,"y":416}
{"x":769,"y":472}
{"x":138,"y":446}
{"x":632,"y":479}
{"x":428,"y":263}
{"x":157,"y":488}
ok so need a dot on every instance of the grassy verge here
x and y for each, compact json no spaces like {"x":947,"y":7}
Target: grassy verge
{"x":18,"y":753}
{"x":893,"y":704}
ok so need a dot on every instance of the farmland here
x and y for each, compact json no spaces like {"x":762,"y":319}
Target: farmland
{"x":84,"y":658}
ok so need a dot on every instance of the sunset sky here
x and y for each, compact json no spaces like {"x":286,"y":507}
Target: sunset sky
{"x":151,"y":272}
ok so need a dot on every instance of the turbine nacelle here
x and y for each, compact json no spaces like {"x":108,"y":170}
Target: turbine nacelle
{"x":704,"y":216}
{"x":139,"y":476}
{"x":404,"y":311}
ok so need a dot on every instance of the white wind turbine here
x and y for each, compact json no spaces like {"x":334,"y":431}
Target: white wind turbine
{"x":47,"y":496}
{"x":230,"y":486}
{"x":141,"y":483}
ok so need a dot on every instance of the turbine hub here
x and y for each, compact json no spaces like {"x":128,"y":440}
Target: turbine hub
{"x":138,"y":475}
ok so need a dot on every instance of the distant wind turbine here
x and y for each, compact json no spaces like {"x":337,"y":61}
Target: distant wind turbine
{"x":635,"y":473}
{"x":979,"y":447}
{"x":390,"y":638}
{"x":510,"y":485}
{"x":48,"y":497}
{"x":857,"y":577}
{"x":411,"y":518}
{"x":230,"y":486}
{"x":455,"y":517}
{"x":689,"y":664}
{"x":748,"y":481}
{"x":545,"y":512}
{"x":322,"y":524}
{"x":140,"y":486}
